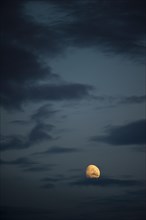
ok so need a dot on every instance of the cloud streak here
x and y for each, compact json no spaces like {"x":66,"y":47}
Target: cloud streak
{"x":58,"y":150}
{"x":36,"y":93}
{"x":39,"y":133}
{"x":22,"y":162}
{"x":106,"y":182}
{"x":129,"y":134}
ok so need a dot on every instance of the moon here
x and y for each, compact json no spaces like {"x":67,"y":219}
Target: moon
{"x":92,"y":171}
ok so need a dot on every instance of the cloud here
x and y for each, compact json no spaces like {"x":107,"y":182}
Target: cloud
{"x":39,"y":133}
{"x":13,"y":143}
{"x":129,"y":134}
{"x":48,"y":31}
{"x":60,"y":92}
{"x":28,"y":165}
{"x":22,"y":161}
{"x":11,"y":98}
{"x":27,"y":71}
{"x":112,"y":27}
{"x":106,"y":101}
{"x":23,"y":65}
{"x":52,"y":179}
{"x":133,"y":100}
{"x":50,"y":182}
{"x":54,"y":25}
{"x":39,"y":168}
{"x":20,"y":122}
{"x":106,"y":182}
{"x":57,"y":150}
{"x":43,"y":113}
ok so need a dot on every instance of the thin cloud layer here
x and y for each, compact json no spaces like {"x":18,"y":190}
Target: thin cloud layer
{"x":28,"y":165}
{"x":39,"y":133}
{"x":129,"y":134}
{"x":133,"y":100}
{"x":50,"y":182}
{"x":22,"y":161}
{"x":43,"y":113}
{"x":58,"y":150}
{"x":107,"y":182}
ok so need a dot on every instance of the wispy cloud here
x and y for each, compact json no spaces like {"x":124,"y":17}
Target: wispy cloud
{"x":58,"y":150}
{"x":107,"y":182}
{"x":22,"y":162}
{"x":40,"y":132}
{"x":43,"y":113}
{"x":114,"y":28}
{"x":39,"y":168}
{"x":133,"y":100}
{"x":106,"y":101}
{"x":28,"y":165}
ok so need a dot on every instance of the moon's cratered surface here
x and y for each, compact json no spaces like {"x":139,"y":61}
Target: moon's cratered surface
{"x":92,"y":171}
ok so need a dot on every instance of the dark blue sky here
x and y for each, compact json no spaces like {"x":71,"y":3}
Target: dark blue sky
{"x":72,"y":93}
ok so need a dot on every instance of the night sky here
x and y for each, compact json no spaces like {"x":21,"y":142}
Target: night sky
{"x":72,"y":93}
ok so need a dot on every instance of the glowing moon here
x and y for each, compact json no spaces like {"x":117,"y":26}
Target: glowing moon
{"x":92,"y":172}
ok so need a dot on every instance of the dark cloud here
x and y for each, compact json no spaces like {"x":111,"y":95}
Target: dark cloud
{"x":59,"y":92}
{"x":20,"y":80}
{"x":23,"y":66}
{"x":60,"y":150}
{"x":113,"y":27}
{"x":116,"y":27}
{"x":20,"y":122}
{"x":39,"y":133}
{"x":106,"y":182}
{"x":129,"y":134}
{"x":11,"y":98}
{"x":13,"y":143}
{"x":57,"y":150}
{"x":20,"y":73}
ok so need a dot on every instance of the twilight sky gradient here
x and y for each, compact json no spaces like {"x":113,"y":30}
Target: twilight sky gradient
{"x":72,"y":93}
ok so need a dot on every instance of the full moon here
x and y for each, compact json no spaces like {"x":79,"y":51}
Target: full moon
{"x":92,"y":171}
